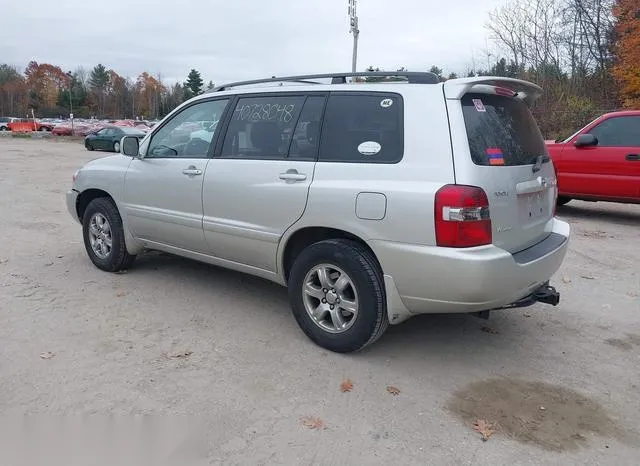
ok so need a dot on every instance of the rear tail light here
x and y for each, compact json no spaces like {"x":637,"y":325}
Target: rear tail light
{"x":462,"y":217}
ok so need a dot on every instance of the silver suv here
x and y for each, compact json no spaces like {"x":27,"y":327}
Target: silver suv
{"x":372,"y":199}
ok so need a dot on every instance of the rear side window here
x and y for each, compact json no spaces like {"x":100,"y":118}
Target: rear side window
{"x":304,"y":145}
{"x":362,"y":128}
{"x":501,"y":131}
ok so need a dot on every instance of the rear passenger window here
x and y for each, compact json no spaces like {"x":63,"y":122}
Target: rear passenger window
{"x":304,"y":145}
{"x":363,"y":128}
{"x":262,"y":127}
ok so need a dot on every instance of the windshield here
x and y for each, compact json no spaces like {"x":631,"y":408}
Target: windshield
{"x":501,"y":131}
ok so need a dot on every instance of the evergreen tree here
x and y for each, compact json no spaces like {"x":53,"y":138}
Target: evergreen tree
{"x":194,"y":83}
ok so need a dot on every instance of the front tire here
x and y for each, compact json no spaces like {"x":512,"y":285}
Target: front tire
{"x":337,"y":295}
{"x":103,"y":235}
{"x":88,"y":145}
{"x":563,"y":200}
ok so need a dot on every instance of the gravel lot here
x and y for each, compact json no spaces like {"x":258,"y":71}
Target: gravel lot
{"x":174,"y":337}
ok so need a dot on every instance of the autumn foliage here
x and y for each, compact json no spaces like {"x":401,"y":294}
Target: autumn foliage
{"x":627,"y":67}
{"x":100,"y":92}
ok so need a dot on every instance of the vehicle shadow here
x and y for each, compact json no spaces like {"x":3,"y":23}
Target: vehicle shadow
{"x":621,"y":214}
{"x":437,"y":337}
{"x":211,"y":279}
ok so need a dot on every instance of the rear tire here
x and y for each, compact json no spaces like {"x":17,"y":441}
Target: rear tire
{"x":563,"y":200}
{"x":352,"y":280}
{"x":103,"y":236}
{"x":116,"y":147}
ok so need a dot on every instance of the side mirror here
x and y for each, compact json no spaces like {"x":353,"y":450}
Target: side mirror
{"x":130,"y":145}
{"x":586,"y":140}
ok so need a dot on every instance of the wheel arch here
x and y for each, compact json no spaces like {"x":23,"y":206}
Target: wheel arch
{"x":299,"y":239}
{"x":88,"y":195}
{"x":85,"y":198}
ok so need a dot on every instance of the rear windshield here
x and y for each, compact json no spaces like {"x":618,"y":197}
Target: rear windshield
{"x":501,"y":131}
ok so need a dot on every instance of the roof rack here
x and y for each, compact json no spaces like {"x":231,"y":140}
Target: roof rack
{"x":413,"y":77}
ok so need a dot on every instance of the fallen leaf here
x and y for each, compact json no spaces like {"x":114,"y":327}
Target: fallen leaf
{"x":313,"y":423}
{"x":183,"y":355}
{"x":120,"y":294}
{"x":490,"y":330}
{"x":48,"y":264}
{"x":47,"y":355}
{"x":633,"y":294}
{"x":566,"y":280}
{"x":526,"y":315}
{"x":486,"y":429}
{"x":588,"y":277}
{"x":393,"y":390}
{"x":60,"y":257}
{"x":346,"y":386}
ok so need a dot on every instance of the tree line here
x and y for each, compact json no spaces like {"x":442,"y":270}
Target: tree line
{"x":100,"y":92}
{"x":585,"y":54}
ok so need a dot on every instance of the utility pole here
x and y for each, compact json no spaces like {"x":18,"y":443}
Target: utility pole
{"x":71,"y":99}
{"x":353,"y":21}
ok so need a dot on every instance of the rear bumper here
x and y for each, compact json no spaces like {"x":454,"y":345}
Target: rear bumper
{"x":429,"y":279}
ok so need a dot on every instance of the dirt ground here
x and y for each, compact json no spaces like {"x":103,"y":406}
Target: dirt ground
{"x":221,"y":350}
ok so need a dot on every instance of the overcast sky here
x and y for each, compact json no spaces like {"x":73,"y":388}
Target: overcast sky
{"x":228,"y":40}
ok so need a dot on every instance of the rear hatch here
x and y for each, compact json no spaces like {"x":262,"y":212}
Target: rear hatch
{"x":498,"y":147}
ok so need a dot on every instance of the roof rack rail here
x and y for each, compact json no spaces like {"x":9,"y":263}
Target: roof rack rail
{"x":413,"y":77}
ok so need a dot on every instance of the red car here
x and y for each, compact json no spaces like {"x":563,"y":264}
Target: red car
{"x":27,"y":124}
{"x":601,"y":162}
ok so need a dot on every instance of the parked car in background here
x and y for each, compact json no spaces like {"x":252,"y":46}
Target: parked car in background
{"x":108,"y":138}
{"x":62,"y":129}
{"x":28,"y":124}
{"x":405,"y":198}
{"x":600,"y":162}
{"x":4,"y":122}
{"x":51,"y":121}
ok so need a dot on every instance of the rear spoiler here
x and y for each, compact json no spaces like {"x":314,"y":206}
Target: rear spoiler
{"x":526,"y":91}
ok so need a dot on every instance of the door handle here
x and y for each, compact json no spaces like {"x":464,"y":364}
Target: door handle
{"x":291,"y":176}
{"x":192,"y":171}
{"x":633,"y":157}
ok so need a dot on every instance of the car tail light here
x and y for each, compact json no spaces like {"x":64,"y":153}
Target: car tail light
{"x":462,"y":217}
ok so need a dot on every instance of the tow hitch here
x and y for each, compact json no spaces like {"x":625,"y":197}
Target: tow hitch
{"x":547,"y":294}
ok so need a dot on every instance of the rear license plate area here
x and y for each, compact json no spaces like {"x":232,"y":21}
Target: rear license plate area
{"x":533,"y":206}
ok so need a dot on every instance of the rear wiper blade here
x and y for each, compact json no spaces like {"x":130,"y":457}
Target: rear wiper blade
{"x":539,"y":161}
